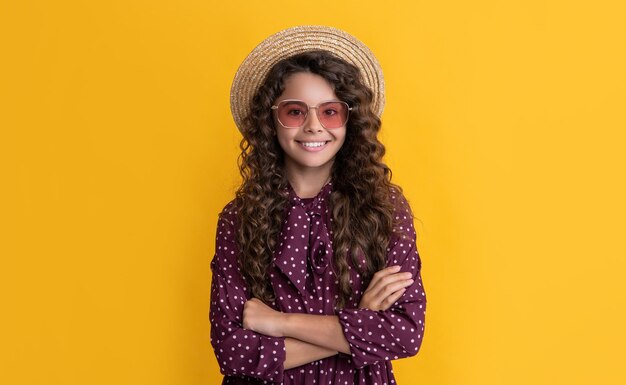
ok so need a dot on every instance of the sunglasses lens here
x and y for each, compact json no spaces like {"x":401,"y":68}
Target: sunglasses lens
{"x":292,"y":113}
{"x":333,"y":114}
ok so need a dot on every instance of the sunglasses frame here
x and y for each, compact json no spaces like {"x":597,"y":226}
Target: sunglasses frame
{"x":317,"y":111}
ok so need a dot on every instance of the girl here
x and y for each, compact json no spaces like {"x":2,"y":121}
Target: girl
{"x":316,"y":274}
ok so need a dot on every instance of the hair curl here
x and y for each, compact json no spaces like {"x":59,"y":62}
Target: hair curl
{"x":362,"y":210}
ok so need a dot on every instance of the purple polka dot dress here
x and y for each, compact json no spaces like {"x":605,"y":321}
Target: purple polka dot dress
{"x":304,"y":282}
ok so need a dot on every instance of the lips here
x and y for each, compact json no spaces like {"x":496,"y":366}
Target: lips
{"x":313,"y":143}
{"x":313,"y":146}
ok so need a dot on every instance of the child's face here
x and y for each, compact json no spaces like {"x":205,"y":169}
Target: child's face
{"x":313,"y":90}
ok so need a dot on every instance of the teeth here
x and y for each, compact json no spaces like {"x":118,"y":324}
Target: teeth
{"x":313,"y":144}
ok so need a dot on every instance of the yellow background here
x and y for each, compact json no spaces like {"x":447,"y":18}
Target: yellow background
{"x":504,"y":124}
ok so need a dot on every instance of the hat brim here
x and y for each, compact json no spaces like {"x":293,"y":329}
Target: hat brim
{"x":288,"y":42}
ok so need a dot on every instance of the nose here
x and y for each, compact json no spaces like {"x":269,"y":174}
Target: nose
{"x":312,"y":122}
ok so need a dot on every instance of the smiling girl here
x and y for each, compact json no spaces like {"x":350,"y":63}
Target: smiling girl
{"x":316,"y":273}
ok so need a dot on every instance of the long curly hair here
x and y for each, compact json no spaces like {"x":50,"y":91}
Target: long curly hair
{"x":362,"y":210}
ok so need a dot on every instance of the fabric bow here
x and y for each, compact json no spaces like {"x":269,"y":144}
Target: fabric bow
{"x":304,"y":237}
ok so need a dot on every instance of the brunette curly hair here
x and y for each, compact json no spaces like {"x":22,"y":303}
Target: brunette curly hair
{"x":362,"y":210}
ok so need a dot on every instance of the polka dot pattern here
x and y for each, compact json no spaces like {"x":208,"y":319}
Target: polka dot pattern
{"x":304,"y":282}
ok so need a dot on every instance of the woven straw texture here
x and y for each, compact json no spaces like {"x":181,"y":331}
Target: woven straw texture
{"x":294,"y":40}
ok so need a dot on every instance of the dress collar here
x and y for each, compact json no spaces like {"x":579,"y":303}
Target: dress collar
{"x":294,"y":199}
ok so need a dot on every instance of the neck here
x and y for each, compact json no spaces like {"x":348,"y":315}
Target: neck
{"x":307,"y":181}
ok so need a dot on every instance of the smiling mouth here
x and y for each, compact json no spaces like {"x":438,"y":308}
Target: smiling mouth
{"x":313,"y":144}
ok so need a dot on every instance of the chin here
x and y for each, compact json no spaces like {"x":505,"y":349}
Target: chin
{"x":311,"y":164}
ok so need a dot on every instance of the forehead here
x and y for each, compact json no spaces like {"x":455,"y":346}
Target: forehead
{"x":308,"y":87}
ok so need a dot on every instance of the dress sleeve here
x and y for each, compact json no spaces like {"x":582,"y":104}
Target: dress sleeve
{"x":398,"y":331}
{"x":239,"y":351}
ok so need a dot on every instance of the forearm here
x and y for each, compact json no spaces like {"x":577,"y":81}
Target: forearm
{"x":321,"y":330}
{"x":300,"y":352}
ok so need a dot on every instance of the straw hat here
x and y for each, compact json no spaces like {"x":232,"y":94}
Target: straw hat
{"x":295,"y":40}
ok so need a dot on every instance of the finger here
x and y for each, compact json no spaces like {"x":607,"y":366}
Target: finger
{"x":383,"y":273}
{"x":379,"y":297}
{"x":388,"y":280}
{"x":390,"y":300}
{"x":395,"y":286}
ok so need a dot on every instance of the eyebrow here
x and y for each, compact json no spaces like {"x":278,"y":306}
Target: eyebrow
{"x":300,"y":100}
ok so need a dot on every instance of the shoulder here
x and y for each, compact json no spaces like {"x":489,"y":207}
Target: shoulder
{"x":402,"y":207}
{"x":227,"y":225}
{"x":228,"y":215}
{"x":226,"y":249}
{"x":403,"y":244}
{"x":402,"y":215}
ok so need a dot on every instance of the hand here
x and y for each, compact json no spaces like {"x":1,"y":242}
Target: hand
{"x":385,"y":288}
{"x":259,"y":317}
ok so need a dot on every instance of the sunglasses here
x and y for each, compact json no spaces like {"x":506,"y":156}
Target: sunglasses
{"x":292,"y":113}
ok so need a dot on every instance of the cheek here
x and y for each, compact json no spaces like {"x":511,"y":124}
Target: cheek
{"x":341,"y":138}
{"x":341,"y":142}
